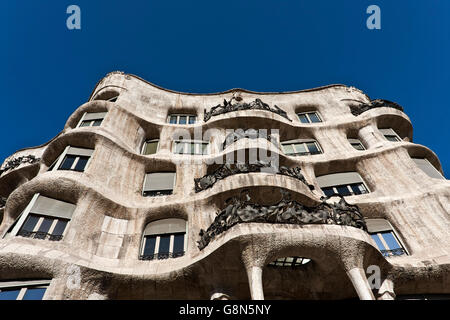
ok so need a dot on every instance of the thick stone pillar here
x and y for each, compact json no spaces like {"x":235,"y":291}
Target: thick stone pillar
{"x":255,"y":281}
{"x":360,"y":283}
{"x":386,"y":291}
{"x":369,"y":137}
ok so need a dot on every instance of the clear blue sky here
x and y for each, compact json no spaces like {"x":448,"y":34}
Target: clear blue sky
{"x":47,"y":71}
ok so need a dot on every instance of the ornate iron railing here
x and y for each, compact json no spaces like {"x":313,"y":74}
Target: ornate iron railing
{"x":161,"y":255}
{"x":14,"y":163}
{"x":249,"y":133}
{"x":286,"y":211}
{"x":39,"y":235}
{"x":228,"y":106}
{"x":378,"y":103}
{"x":394,"y":252}
{"x":227,"y":170}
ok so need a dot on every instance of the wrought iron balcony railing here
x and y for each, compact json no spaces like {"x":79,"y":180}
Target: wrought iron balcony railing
{"x":161,"y":255}
{"x":39,"y":235}
{"x":394,"y":252}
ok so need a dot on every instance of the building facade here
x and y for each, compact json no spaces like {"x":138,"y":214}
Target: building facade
{"x":153,"y":194}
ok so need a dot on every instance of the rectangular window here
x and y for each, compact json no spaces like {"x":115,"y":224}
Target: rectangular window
{"x":192,"y":148}
{"x":181,"y":119}
{"x":41,"y":227}
{"x":150,"y":147}
{"x":388,"y":244}
{"x":428,"y":168}
{"x":159,"y":184}
{"x":27,"y":290}
{"x":74,"y":159}
{"x":92,"y":119}
{"x":163,"y":246}
{"x":309,"y":117}
{"x":356,"y":144}
{"x":43,"y":218}
{"x":298,"y":148}
{"x":345,"y":190}
{"x":390,"y":135}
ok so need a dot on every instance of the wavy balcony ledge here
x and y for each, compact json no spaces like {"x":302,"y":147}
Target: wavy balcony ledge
{"x":377,"y":103}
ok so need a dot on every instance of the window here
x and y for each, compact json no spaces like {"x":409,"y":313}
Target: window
{"x":289,"y":262}
{"x":428,"y":168}
{"x":23,"y":290}
{"x":44,"y":218}
{"x":181,"y":119}
{"x":309,"y":117}
{"x":301,"y":147}
{"x":356,"y":144}
{"x":159,"y":184}
{"x":91,"y":119}
{"x":390,"y":135}
{"x":344,"y":184}
{"x":190,"y":147}
{"x":74,"y":159}
{"x":164,"y":239}
{"x":385,"y":238}
{"x":150,"y":147}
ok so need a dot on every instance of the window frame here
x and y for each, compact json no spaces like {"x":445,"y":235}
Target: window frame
{"x":145,"y":182}
{"x":304,"y":142}
{"x":92,"y":120}
{"x":55,"y":165}
{"x":348,"y":188}
{"x":354,"y":141}
{"x":157,"y":242}
{"x":386,"y":227}
{"x":308,"y":117}
{"x":24,"y":286}
{"x":389,"y":132}
{"x":197,"y":146}
{"x":22,"y":218}
{"x":144,"y":145}
{"x":178,"y":115}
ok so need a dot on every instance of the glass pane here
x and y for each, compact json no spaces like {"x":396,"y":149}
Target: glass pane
{"x":358,"y":146}
{"x":358,"y":188}
{"x":34,"y":294}
{"x":178,"y":243}
{"x":149,"y":246}
{"x":343,"y":190}
{"x":204,"y":148}
{"x":9,"y":294}
{"x":328,"y":191}
{"x":151,"y":147}
{"x":314,"y":117}
{"x":97,"y":123}
{"x":30,"y":223}
{"x":288,"y":149}
{"x":81,"y":164}
{"x":303,"y":118}
{"x":85,"y":123}
{"x":46,"y":224}
{"x":173,"y":119}
{"x":378,"y":241}
{"x":392,"y":138}
{"x":300,"y":148}
{"x":192,"y":119}
{"x":60,"y":227}
{"x":312,"y":147}
{"x":179,"y":147}
{"x":67,"y":162}
{"x":390,"y":240}
{"x":164,"y":244}
{"x":183,"y":120}
{"x":192,"y":148}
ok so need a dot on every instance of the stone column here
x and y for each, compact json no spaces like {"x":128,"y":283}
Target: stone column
{"x":369,"y":137}
{"x":386,"y":291}
{"x":360,"y":283}
{"x":255,"y":281}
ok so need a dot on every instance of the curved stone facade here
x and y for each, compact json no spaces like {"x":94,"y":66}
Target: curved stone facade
{"x":99,"y":254}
